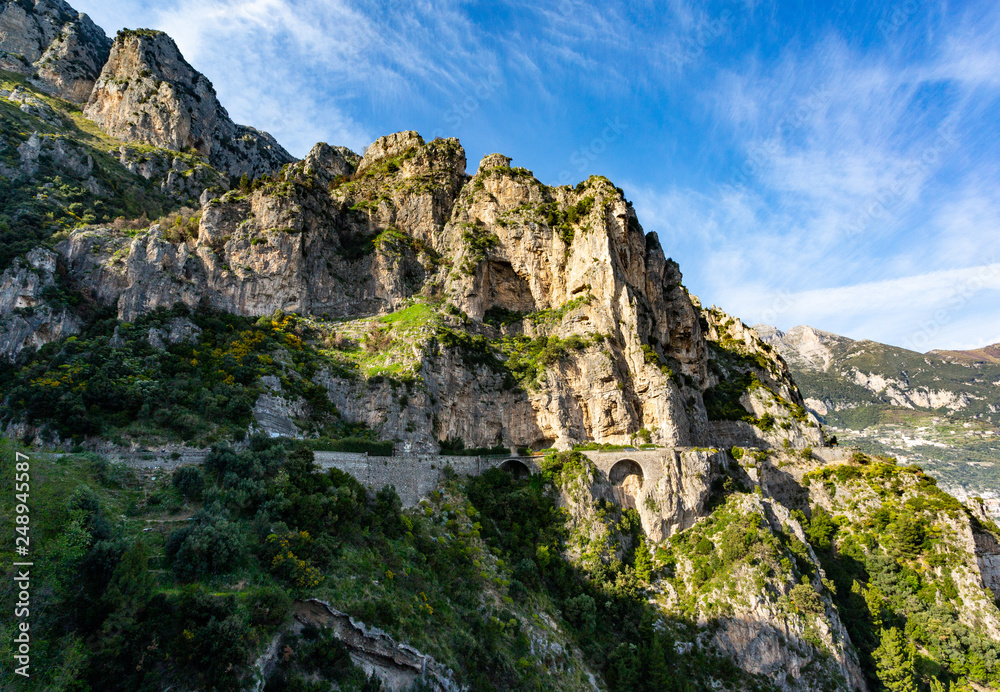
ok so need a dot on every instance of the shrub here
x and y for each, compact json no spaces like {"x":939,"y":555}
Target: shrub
{"x":180,"y":226}
{"x":211,"y":546}
{"x":581,"y":612}
{"x":356,"y":445}
{"x":806,"y":599}
{"x":190,"y":481}
{"x":378,"y":339}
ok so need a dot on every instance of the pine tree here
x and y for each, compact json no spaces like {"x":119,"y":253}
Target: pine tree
{"x":894,"y":661}
{"x":659,"y":677}
{"x":643,"y":562}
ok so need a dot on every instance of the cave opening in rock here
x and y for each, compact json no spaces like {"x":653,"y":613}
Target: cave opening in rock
{"x":504,"y":288}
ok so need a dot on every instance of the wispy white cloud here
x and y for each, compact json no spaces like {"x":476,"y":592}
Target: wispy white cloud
{"x":853,"y":200}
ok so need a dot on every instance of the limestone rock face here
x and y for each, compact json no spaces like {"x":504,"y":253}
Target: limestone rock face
{"x":65,"y":155}
{"x":60,"y":49}
{"x":769,"y":393}
{"x":27,"y":318}
{"x":767,"y":642}
{"x":557,"y":265}
{"x":148,"y":93}
{"x":186,"y":177}
{"x":803,"y":345}
{"x":327,"y":162}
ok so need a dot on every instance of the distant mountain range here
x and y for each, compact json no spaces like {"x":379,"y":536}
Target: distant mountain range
{"x":940,"y":409}
{"x":990,"y":354}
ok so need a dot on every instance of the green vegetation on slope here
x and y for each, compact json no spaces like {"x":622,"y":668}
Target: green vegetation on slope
{"x":890,"y":546}
{"x":184,"y":581}
{"x":61,"y":196}
{"x":112,"y":381}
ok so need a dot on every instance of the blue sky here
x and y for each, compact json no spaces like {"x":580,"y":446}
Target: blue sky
{"x":832,"y":164}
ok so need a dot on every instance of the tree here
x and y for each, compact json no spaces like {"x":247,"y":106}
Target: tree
{"x":643,"y":562}
{"x":806,"y":599}
{"x":660,"y":676}
{"x":894,"y":661}
{"x":821,"y":529}
{"x":624,"y":667}
{"x":190,"y":481}
{"x":581,"y":612}
{"x":910,"y":534}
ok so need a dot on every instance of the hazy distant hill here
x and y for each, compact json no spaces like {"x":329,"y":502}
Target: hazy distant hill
{"x":939,"y":409}
{"x":990,"y":354}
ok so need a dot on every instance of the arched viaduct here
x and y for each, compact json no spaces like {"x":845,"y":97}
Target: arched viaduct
{"x":416,"y":476}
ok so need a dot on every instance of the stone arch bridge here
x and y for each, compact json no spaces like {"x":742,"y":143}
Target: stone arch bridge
{"x":416,"y":476}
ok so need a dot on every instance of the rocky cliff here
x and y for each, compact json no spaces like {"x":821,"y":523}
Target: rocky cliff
{"x":62,"y":51}
{"x":148,"y":93}
{"x":33,"y":309}
{"x":581,"y":325}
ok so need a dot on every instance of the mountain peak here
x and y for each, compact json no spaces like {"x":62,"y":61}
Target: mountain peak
{"x":988,"y":354}
{"x":147,"y":92}
{"x":802,"y":345}
{"x":59,"y":49}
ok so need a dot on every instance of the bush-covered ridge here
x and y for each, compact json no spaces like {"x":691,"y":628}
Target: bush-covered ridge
{"x":121,"y":381}
{"x":114,"y":380}
{"x":890,"y":542}
{"x":203,"y":568}
{"x":90,"y":186}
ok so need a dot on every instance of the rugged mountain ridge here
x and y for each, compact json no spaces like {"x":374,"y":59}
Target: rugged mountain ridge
{"x":518,"y":260}
{"x":895,"y":376}
{"x":938,"y":408}
{"x":148,"y":93}
{"x":988,"y":354}
{"x":60,"y":50}
{"x":137,"y":89}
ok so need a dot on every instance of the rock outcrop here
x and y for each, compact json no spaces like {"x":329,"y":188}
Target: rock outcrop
{"x":397,"y":665}
{"x":61,"y":50}
{"x":31,"y":314}
{"x":148,"y":93}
